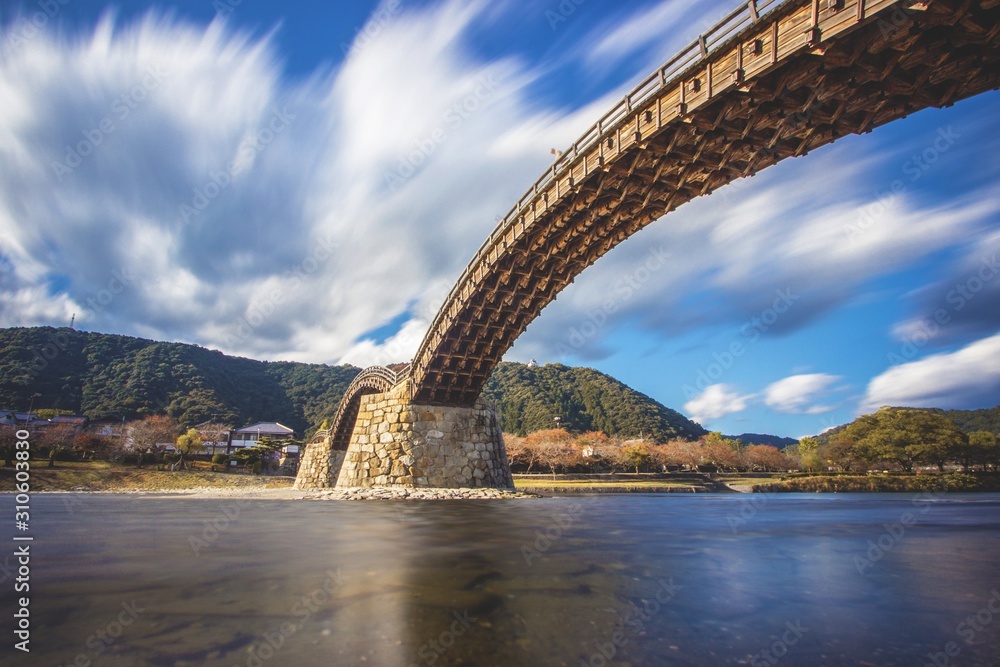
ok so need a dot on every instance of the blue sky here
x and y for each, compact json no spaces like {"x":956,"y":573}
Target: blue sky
{"x":306,"y":181}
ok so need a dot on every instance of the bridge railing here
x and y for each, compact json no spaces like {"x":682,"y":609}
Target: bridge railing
{"x":393,"y":377}
{"x":745,"y":16}
{"x":402,"y":374}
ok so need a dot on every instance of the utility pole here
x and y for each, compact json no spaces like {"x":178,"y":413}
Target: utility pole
{"x":31,"y":405}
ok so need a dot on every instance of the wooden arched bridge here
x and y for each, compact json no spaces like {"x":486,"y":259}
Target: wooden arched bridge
{"x":754,"y":90}
{"x":772,"y":80}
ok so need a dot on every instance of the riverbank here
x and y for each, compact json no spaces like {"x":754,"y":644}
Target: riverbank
{"x":623,"y":483}
{"x":942,"y":483}
{"x":103,"y":477}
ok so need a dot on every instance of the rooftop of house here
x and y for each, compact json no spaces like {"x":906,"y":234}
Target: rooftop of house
{"x":266,"y":428}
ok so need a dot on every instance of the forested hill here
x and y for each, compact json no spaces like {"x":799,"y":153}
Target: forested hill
{"x":975,"y":420}
{"x":101,"y":374}
{"x":764,"y":439}
{"x":530,"y":398}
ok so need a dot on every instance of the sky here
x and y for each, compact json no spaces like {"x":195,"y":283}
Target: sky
{"x":306,"y":181}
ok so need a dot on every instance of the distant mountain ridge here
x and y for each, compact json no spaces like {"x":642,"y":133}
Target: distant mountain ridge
{"x":764,"y":439}
{"x":105,"y":374}
{"x":987,"y":419}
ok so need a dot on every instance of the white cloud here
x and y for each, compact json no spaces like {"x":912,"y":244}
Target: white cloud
{"x":313,"y":209}
{"x":659,"y":30}
{"x":798,"y":394}
{"x":967,"y":378}
{"x":715,"y":402}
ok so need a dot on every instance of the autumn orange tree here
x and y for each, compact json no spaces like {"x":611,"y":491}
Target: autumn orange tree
{"x":552,"y":447}
{"x":723,"y":453}
{"x":678,"y":453}
{"x":767,"y":458}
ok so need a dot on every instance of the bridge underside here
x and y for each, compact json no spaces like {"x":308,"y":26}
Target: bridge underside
{"x":909,"y":57}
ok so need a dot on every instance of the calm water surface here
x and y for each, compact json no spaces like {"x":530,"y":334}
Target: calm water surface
{"x":601,"y":580}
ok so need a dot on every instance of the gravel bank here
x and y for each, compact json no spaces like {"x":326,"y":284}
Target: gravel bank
{"x":288,"y":493}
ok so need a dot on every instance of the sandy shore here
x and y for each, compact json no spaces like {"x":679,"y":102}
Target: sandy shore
{"x":288,"y":493}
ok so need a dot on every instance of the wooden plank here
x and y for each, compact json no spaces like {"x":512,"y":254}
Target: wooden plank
{"x":833,"y":22}
{"x":647,"y":119}
{"x":757,"y":53}
{"x":627,"y":137}
{"x":609,"y":147}
{"x":793,"y":31}
{"x":723,"y":70}
{"x":875,"y":6}
{"x":594,"y":157}
{"x":697,"y":89}
{"x":668,"y":107}
{"x":774,"y":43}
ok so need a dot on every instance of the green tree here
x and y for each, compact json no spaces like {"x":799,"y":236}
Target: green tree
{"x":905,"y":436}
{"x":256,"y":455}
{"x":809,"y":454}
{"x":636,"y":455}
{"x":188,"y":443}
{"x":983,"y":449}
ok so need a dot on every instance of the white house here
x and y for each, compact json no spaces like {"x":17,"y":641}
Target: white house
{"x":249,"y":435}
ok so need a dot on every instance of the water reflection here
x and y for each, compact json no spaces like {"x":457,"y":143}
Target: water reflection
{"x":627,"y":580}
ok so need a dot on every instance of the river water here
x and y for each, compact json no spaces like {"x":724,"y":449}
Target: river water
{"x":597,"y":580}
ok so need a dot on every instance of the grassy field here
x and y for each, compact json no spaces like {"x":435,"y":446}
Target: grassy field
{"x":622,"y":483}
{"x":952,"y":482}
{"x":758,"y":483}
{"x":103,"y":476}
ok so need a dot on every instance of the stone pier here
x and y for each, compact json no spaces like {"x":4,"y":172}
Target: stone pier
{"x":398,"y":443}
